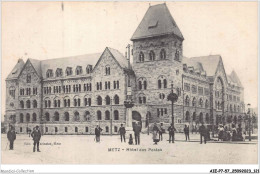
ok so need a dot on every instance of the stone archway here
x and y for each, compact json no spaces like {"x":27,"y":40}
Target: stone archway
{"x":136,"y":116}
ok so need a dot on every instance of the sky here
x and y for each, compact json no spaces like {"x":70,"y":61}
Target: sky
{"x":44,"y":30}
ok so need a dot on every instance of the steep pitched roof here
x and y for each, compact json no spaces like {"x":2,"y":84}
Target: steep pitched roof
{"x":16,"y":70}
{"x":234,"y":78}
{"x":37,"y":66}
{"x":73,"y":61}
{"x":209,"y":63}
{"x":121,"y":59}
{"x":157,"y":21}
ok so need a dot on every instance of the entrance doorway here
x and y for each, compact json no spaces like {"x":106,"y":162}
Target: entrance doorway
{"x":136,"y":116}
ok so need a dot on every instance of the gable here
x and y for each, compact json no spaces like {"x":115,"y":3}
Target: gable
{"x":220,"y":72}
{"x":28,"y":69}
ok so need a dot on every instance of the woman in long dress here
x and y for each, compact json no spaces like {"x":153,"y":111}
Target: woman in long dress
{"x":155,"y":134}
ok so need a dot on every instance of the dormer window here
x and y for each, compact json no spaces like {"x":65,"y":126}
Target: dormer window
{"x":69,"y":71}
{"x":141,"y":57}
{"x":152,"y":55}
{"x":49,"y":73}
{"x":58,"y":72}
{"x":107,"y":70}
{"x":89,"y":69}
{"x":79,"y":70}
{"x":28,"y":78}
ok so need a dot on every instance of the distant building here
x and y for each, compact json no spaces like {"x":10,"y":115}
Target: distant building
{"x":74,"y":94}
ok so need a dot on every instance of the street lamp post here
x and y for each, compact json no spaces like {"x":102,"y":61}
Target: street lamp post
{"x":173,"y":98}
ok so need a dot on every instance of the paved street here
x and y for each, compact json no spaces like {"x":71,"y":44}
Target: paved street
{"x":81,"y":149}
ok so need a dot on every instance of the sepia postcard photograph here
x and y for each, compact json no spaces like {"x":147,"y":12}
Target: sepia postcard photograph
{"x":129,"y":83}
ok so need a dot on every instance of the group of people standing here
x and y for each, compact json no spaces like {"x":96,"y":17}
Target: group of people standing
{"x":235,"y":134}
{"x":158,"y":133}
{"x":36,"y":135}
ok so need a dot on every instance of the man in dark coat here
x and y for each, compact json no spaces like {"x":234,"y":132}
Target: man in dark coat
{"x":97,"y":133}
{"x":122,"y":131}
{"x":203,"y":133}
{"x":36,"y":135}
{"x":137,"y":129}
{"x":171,"y":130}
{"x":187,"y":132}
{"x":11,"y":136}
{"x":161,"y":130}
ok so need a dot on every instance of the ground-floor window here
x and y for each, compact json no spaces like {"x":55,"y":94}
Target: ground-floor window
{"x":107,"y":129}
{"x":115,"y":129}
{"x":21,"y":129}
{"x":66,"y":129}
{"x":76,"y":129}
{"x":56,"y":129}
{"x":86,"y":129}
{"x":46,"y":129}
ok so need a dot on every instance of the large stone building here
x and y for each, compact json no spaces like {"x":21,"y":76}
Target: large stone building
{"x":74,"y":94}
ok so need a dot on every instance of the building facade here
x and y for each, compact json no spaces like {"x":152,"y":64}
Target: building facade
{"x":74,"y":94}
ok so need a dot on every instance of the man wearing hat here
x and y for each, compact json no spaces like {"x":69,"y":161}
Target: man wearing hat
{"x":122,"y":132}
{"x":36,"y":135}
{"x":137,"y":129}
{"x":11,"y":136}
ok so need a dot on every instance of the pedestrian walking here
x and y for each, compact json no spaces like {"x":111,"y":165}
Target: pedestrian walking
{"x":234,"y":132}
{"x":171,"y":130}
{"x":122,"y":132}
{"x":36,"y":135}
{"x":239,"y":133}
{"x":161,"y":130}
{"x":220,"y":132}
{"x":29,"y":132}
{"x":11,"y":136}
{"x":203,"y":133}
{"x":98,"y":131}
{"x":186,"y":132}
{"x":137,"y":129}
{"x":155,"y":134}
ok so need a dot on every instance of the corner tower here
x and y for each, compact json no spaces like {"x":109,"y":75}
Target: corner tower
{"x":157,"y":63}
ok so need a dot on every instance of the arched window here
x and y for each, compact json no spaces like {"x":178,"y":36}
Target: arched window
{"x":142,"y":83}
{"x":115,"y":129}
{"x":201,"y":102}
{"x":76,"y":101}
{"x":218,"y":105}
{"x":231,"y":109}
{"x":34,"y":104}
{"x":66,"y":116}
{"x":116,"y":115}
{"x":87,"y":116}
{"x":28,"y":104}
{"x":206,"y":103}
{"x":141,"y":57}
{"x":99,"y":100}
{"x":194,"y":102}
{"x":235,"y":108}
{"x":142,"y":99}
{"x":207,"y":118}
{"x":21,"y":118}
{"x":47,"y":116}
{"x":152,"y":55}
{"x":201,"y":117}
{"x":27,"y":117}
{"x":99,"y":115}
{"x":22,"y":104}
{"x":107,"y":129}
{"x":66,"y":101}
{"x":162,"y":82}
{"x":163,"y":54}
{"x":107,"y":115}
{"x":107,"y":70}
{"x":116,"y":99}
{"x":56,"y":116}
{"x":194,"y":116}
{"x":187,"y":101}
{"x":34,"y":117}
{"x":187,"y":116}
{"x":177,"y":55}
{"x":107,"y":100}
{"x":29,"y":78}
{"x":76,"y":116}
